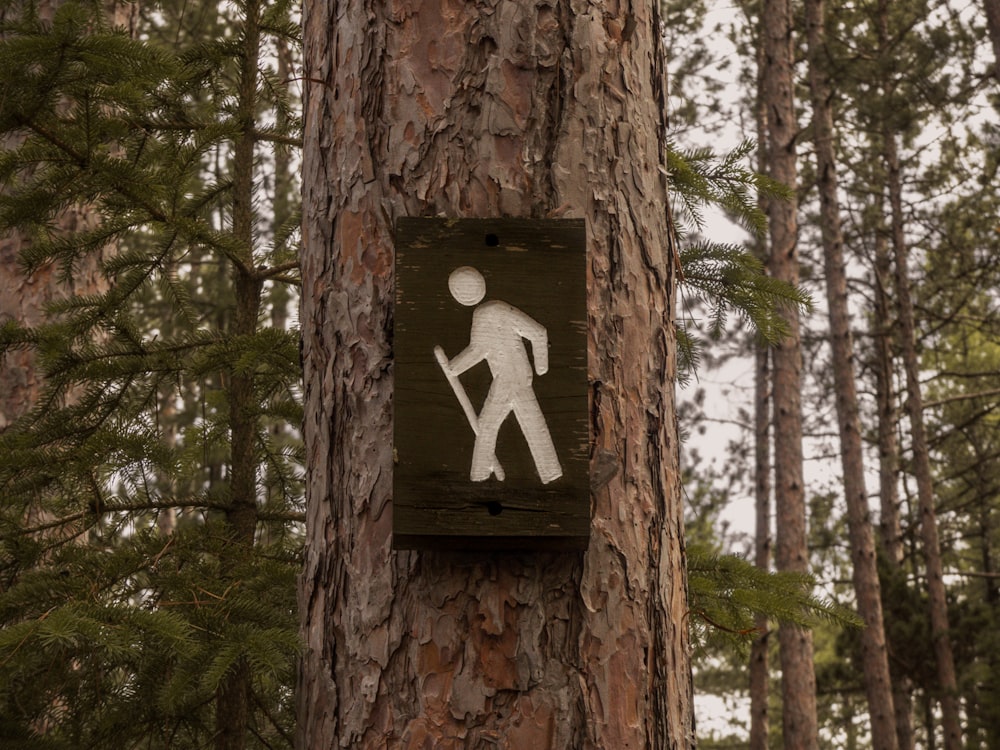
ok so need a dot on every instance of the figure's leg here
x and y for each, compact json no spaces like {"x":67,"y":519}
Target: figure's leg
{"x":536,"y":432}
{"x":484,"y":458}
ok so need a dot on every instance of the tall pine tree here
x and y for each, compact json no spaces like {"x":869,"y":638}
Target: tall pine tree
{"x":159,"y":394}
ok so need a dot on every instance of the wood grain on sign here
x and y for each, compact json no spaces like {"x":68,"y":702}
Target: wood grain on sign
{"x":536,"y":271}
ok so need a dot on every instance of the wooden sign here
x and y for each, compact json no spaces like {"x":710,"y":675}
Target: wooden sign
{"x":491,"y":418}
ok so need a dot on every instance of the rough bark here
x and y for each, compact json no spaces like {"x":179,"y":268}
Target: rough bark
{"x":868,"y":593}
{"x":798,"y":680}
{"x":475,"y":109}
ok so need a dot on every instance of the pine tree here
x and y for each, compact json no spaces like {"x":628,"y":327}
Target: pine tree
{"x":790,"y":551}
{"x":158,"y":392}
{"x":418,"y":648}
{"x":897,"y":48}
{"x":874,"y":657}
{"x":937,"y":605}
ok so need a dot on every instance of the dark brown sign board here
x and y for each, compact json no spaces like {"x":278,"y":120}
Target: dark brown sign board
{"x":490,"y":354}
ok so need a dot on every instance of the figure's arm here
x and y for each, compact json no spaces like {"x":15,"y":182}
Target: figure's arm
{"x":468,"y":357}
{"x":536,"y":333}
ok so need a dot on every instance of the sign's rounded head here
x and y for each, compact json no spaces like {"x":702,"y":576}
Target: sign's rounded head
{"x":467,"y":285}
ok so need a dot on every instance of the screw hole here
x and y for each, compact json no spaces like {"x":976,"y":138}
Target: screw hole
{"x":494,"y":508}
{"x":492,"y":240}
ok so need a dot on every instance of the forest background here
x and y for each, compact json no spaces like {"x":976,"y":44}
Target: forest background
{"x":150,"y":531}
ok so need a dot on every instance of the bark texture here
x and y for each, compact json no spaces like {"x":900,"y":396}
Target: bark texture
{"x":798,"y":679}
{"x":488,"y":109}
{"x":868,"y":591}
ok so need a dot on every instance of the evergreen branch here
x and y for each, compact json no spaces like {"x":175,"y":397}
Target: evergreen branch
{"x":265,"y":272}
{"x":108,"y":507}
{"x":134,"y":419}
{"x":742,"y":632}
{"x":962,"y":397}
{"x":270,"y":137}
{"x":289,"y":280}
{"x":729,"y":593}
{"x":154,"y":211}
{"x":265,"y":709}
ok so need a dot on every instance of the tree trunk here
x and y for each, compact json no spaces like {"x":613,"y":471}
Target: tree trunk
{"x":760,"y":676}
{"x":937,"y":601}
{"x":798,"y":681}
{"x":466,"y":109}
{"x":234,"y":694}
{"x":993,"y":26}
{"x":890,"y":530}
{"x":759,"y":658}
{"x":874,"y":656}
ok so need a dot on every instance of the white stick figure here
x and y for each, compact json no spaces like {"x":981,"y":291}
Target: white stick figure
{"x":497,"y":335}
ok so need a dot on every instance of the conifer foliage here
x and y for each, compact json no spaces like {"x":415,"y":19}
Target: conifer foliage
{"x":725,"y":278}
{"x":150,"y":500}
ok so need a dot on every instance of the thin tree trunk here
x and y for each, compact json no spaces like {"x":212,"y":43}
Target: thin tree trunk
{"x":993,"y":26}
{"x":874,"y":656}
{"x":435,"y":108}
{"x":890,"y":527}
{"x":760,"y":677}
{"x":759,"y":658}
{"x":890,"y":533}
{"x":798,"y":679}
{"x":937,"y":603}
{"x":937,"y":599}
{"x":235,"y":693}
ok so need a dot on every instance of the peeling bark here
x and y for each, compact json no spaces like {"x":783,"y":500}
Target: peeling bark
{"x":476,"y":109}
